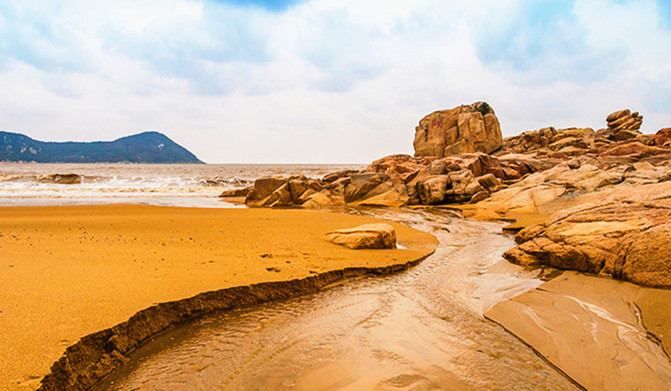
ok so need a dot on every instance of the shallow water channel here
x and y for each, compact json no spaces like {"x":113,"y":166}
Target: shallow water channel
{"x":421,"y":329}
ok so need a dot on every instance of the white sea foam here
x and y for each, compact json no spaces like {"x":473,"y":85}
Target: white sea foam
{"x":165,"y":184}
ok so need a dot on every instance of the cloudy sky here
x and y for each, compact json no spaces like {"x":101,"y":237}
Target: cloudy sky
{"x":324,"y":81}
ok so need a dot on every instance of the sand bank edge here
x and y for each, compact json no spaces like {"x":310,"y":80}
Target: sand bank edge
{"x":99,"y":354}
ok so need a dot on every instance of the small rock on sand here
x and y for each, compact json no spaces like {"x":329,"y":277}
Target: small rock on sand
{"x":368,"y":236}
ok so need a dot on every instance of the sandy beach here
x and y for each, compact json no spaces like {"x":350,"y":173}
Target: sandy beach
{"x":69,"y":271}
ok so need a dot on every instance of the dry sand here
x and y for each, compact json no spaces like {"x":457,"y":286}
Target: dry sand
{"x":595,"y":330}
{"x":69,"y":271}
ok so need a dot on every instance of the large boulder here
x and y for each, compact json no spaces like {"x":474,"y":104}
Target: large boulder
{"x":463,"y":129}
{"x":368,"y":236}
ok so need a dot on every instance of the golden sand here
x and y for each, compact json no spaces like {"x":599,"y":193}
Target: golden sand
{"x":69,"y":271}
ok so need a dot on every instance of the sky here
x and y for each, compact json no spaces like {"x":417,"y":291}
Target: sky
{"x":324,"y":81}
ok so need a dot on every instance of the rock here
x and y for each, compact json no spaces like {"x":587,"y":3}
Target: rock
{"x":63,"y":179}
{"x":334,"y":176}
{"x":463,"y":129}
{"x":570,"y":141}
{"x":398,"y":164}
{"x":662,"y":138}
{"x":634,"y":150}
{"x":529,"y":141}
{"x":292,"y":191}
{"x":489,"y":182}
{"x":374,"y":189}
{"x":624,"y":124}
{"x":432,"y":189}
{"x":368,"y":236}
{"x":236,"y":192}
{"x":617,"y":115}
{"x":625,"y":236}
{"x":264,"y":187}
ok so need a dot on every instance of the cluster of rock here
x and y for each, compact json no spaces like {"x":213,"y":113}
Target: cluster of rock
{"x":561,"y":143}
{"x":461,"y":158}
{"x":463,"y":129}
{"x":624,"y":124}
{"x":395,"y":181}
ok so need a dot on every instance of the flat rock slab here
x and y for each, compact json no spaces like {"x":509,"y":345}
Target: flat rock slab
{"x":368,"y":236}
{"x":595,"y":330}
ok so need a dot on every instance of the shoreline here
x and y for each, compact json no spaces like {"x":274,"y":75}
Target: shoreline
{"x":68,"y":270}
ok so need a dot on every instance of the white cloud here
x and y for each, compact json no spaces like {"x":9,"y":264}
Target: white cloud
{"x":324,"y":80}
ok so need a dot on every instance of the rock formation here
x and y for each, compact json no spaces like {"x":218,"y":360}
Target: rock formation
{"x":624,"y":124}
{"x":626,"y":236}
{"x":368,"y":236}
{"x":292,"y":191}
{"x":463,"y":129}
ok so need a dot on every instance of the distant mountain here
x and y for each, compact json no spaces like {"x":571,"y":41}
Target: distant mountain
{"x":147,"y":147}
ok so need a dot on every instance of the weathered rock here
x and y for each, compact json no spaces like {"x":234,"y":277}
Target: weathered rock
{"x":662,"y":138}
{"x":634,"y":150}
{"x":368,"y":236}
{"x":432,"y":189}
{"x":236,"y":192}
{"x":529,"y":141}
{"x":291,"y":191}
{"x":624,"y":124}
{"x":334,"y":176}
{"x":63,"y":179}
{"x":626,"y":236}
{"x":570,"y":141}
{"x":468,"y":128}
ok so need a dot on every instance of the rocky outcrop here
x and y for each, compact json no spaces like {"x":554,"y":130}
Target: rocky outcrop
{"x":551,"y":141}
{"x":625,"y":236}
{"x":398,"y":180}
{"x":623,"y":124}
{"x":463,"y":129}
{"x":368,"y":236}
{"x":291,"y":191}
{"x":525,"y":174}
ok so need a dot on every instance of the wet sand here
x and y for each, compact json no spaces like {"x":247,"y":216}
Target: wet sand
{"x":596,"y":330}
{"x":70,"y":271}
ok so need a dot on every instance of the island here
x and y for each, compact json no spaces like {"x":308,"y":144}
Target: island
{"x":146,"y":147}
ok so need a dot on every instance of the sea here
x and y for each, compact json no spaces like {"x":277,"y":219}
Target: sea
{"x":190,"y":185}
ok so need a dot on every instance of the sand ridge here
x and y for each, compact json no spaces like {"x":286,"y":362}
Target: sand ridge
{"x":69,"y":271}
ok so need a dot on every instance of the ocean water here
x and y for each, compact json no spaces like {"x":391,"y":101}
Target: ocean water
{"x":196,"y":185}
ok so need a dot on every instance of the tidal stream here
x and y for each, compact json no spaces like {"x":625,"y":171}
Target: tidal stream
{"x":421,"y":329}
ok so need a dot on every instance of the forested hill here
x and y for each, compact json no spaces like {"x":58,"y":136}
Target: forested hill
{"x":147,"y":147}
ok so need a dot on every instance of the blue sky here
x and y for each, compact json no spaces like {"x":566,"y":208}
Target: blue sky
{"x":324,"y":80}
